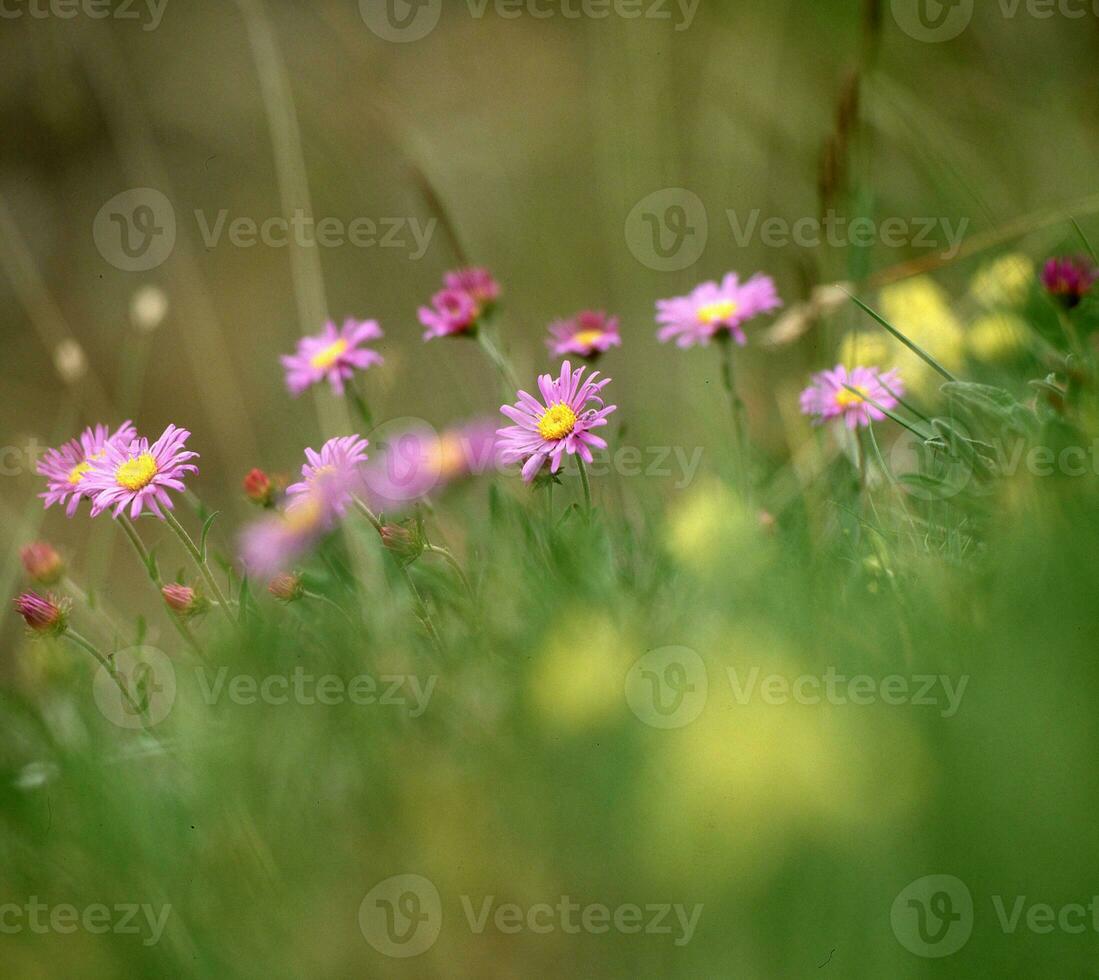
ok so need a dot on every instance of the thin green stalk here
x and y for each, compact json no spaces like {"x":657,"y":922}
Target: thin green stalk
{"x":448,"y":556}
{"x":200,"y":562}
{"x":361,"y":406}
{"x":586,"y":485}
{"x":499,"y":361}
{"x":150,"y":569}
{"x":740,"y":445}
{"x":317,"y":597}
{"x":918,"y":351}
{"x":885,"y":411}
{"x":109,"y":667}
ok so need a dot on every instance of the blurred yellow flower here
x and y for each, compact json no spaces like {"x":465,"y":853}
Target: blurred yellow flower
{"x":711,"y":522}
{"x":920,"y":309}
{"x":864,"y":348}
{"x":577,"y":680}
{"x":997,"y":336}
{"x":1003,"y":282}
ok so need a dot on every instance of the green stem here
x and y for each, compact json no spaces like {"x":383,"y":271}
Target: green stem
{"x":361,"y":406}
{"x":200,"y":563}
{"x":109,"y":667}
{"x":448,"y":556}
{"x":586,"y":485}
{"x":500,"y":362}
{"x":740,"y":442}
{"x":150,"y":569}
{"x":316,"y":596}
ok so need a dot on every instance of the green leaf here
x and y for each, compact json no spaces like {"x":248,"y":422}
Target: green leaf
{"x":205,"y":532}
{"x":991,"y":403}
{"x":917,"y":350}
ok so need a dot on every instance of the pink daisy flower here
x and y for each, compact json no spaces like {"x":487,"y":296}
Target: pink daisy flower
{"x":277,"y":541}
{"x":338,"y":463}
{"x":712,"y":307}
{"x":139,"y":475}
{"x":451,"y":312}
{"x":334,"y":354}
{"x":65,"y":469}
{"x":827,"y":397}
{"x":588,"y":334}
{"x":477,"y":284}
{"x":560,"y":423}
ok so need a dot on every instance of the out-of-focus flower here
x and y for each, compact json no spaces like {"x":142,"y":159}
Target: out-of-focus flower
{"x":43,"y":615}
{"x":333,"y":355}
{"x":562,"y":422}
{"x":70,"y":361}
{"x":42,"y":563}
{"x":1005,"y":281}
{"x":709,"y":525}
{"x":477,"y":283}
{"x":140,"y":475}
{"x":829,"y":396}
{"x":451,"y":312}
{"x":340,"y":463}
{"x":66,"y":468}
{"x":1069,"y":279}
{"x":867,"y":347}
{"x":796,"y":322}
{"x":712,"y":307}
{"x":920,"y":309}
{"x":148,"y":308}
{"x":184,"y":601}
{"x":259,"y":489}
{"x":997,"y":336}
{"x":588,"y":334}
{"x":286,"y":587}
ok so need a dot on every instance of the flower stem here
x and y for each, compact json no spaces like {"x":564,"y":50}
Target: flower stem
{"x":200,"y":562}
{"x":150,"y":569}
{"x":109,"y":667}
{"x":317,"y":597}
{"x":728,"y":376}
{"x":501,"y":363}
{"x":361,"y":406}
{"x":448,"y":556}
{"x":586,"y":485}
{"x":418,"y":604}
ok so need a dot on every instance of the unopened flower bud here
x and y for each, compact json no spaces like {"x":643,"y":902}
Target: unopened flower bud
{"x":1069,"y":279}
{"x":184,"y":600}
{"x":404,"y":540}
{"x":286,"y":587}
{"x":259,"y":489}
{"x":42,"y":562}
{"x":44,"y":615}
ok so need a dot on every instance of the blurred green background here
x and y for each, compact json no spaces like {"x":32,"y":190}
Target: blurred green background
{"x":529,"y":777}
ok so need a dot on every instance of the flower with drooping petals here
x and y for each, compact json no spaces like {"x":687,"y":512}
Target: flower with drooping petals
{"x":184,"y":600}
{"x":562,"y":422}
{"x":339,"y":463}
{"x":588,"y":334}
{"x":139,"y":476}
{"x":1069,"y":279}
{"x":65,"y":469}
{"x":334,"y":354}
{"x":43,"y":614}
{"x":713,"y":307}
{"x":477,"y":283}
{"x":829,"y":396}
{"x":42,"y":563}
{"x":451,"y":312}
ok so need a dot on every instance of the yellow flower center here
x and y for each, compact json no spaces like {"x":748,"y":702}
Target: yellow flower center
{"x":76,"y":474}
{"x":303,"y":516}
{"x":557,"y":422}
{"x":325,"y":358}
{"x":716,"y":312}
{"x":845,"y":398}
{"x":137,"y":472}
{"x":587,"y":337}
